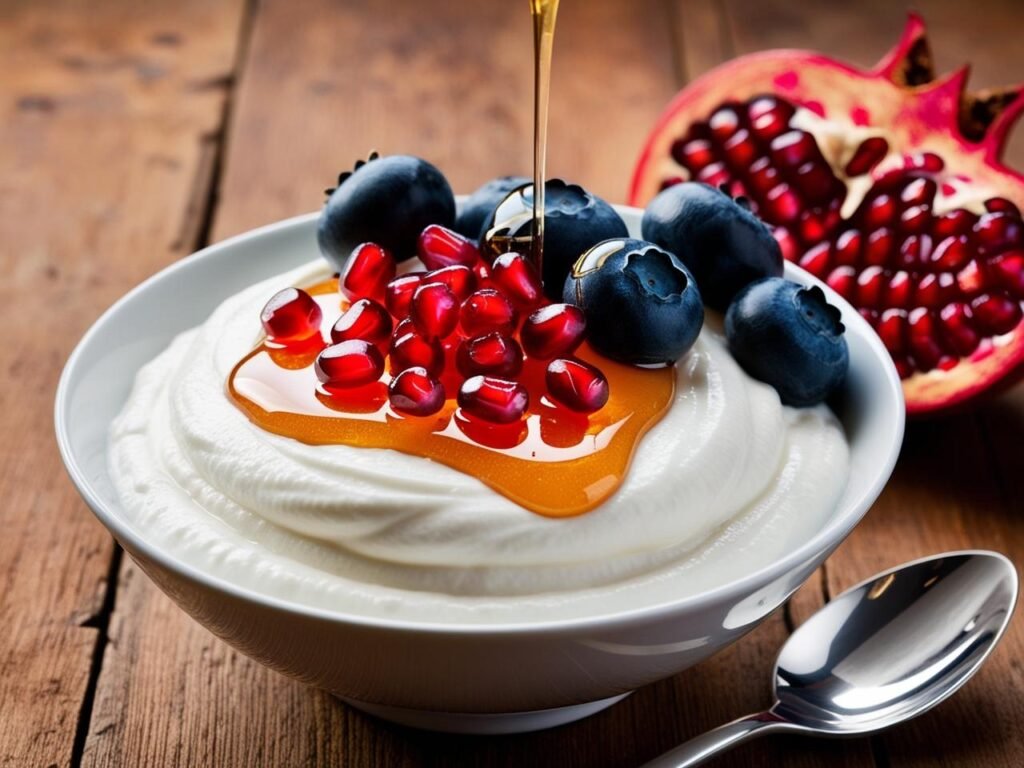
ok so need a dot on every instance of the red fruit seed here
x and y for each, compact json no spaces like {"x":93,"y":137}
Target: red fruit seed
{"x":367,"y":272}
{"x":291,"y":316}
{"x":493,"y":354}
{"x":460,"y":280}
{"x":434,"y":310}
{"x":439,"y":247}
{"x":554,"y":330}
{"x":414,"y":351}
{"x":576,"y":385}
{"x":398,"y":293}
{"x":366,"y":320}
{"x":349,"y":364}
{"x":514,"y":276}
{"x":492,"y":399}
{"x":487,"y":310}
{"x":414,"y":392}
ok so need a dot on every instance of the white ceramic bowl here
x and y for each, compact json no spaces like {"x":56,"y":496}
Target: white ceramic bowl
{"x":482,"y":679}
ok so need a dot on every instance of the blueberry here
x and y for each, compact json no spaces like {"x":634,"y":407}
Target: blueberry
{"x":387,"y":201}
{"x":481,"y":204}
{"x":574,"y":221}
{"x":641,"y":303}
{"x":721,"y":241}
{"x":790,"y":337}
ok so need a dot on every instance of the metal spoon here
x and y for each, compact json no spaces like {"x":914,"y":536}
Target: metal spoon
{"x":881,"y":653}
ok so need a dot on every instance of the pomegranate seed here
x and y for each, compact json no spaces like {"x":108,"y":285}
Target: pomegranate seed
{"x":915,"y":219}
{"x":434,"y":310}
{"x":740,"y":150}
{"x":783,"y":204}
{"x":439,"y":247}
{"x":951,"y":253}
{"x":367,"y":272}
{"x":482,"y":272}
{"x":291,"y":316}
{"x":870,"y":286}
{"x":881,"y":211}
{"x":787,"y":243}
{"x":414,"y":392}
{"x":1001,"y":205}
{"x":349,"y":364}
{"x":414,"y":351}
{"x":915,"y":251}
{"x":924,"y":161}
{"x":769,"y":117}
{"x":899,"y":291}
{"x":815,"y":181}
{"x":460,"y":280}
{"x":492,"y":399}
{"x":955,"y":222}
{"x":724,"y":122}
{"x":493,"y":354}
{"x":998,"y":231}
{"x":487,"y":310}
{"x":904,"y":368}
{"x":919,"y":192}
{"x":892,"y":329}
{"x":1008,"y":271}
{"x":553,"y":331}
{"x":934,"y":291}
{"x":576,"y":385}
{"x":867,"y":156}
{"x":843,"y":280}
{"x":970,"y":279}
{"x":512,"y":274}
{"x":880,"y":247}
{"x":955,"y":324}
{"x":714,"y":175}
{"x":366,"y":320}
{"x":762,"y":176}
{"x":769,"y":104}
{"x":921,"y":335}
{"x":848,"y":247}
{"x":399,"y":292}
{"x":811,"y":227}
{"x":695,"y":155}
{"x":996,"y":314}
{"x":870,"y":315}
{"x":817,"y":260}
{"x":793,"y":149}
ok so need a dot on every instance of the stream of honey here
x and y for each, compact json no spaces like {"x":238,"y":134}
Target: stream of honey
{"x":555,"y":463}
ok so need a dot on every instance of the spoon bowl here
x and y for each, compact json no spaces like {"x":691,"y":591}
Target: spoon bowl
{"x":881,"y":653}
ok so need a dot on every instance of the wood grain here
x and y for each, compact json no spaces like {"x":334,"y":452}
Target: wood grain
{"x":103,"y":110}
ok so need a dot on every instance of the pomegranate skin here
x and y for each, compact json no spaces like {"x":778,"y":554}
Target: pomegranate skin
{"x":906,"y":165}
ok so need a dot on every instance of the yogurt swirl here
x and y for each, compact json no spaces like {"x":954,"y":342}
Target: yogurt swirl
{"x":726,"y":482}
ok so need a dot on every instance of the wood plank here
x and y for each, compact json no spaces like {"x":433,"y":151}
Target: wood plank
{"x":103,"y":112}
{"x":944,"y":494}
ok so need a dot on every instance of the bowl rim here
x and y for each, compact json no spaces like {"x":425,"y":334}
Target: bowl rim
{"x":825,"y":540}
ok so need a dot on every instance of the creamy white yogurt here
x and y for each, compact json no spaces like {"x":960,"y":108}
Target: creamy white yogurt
{"x":728,"y":481}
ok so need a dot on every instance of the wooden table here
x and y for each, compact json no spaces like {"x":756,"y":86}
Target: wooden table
{"x":134,"y":133}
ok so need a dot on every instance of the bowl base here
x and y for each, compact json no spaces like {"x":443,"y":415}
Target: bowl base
{"x":485,"y":724}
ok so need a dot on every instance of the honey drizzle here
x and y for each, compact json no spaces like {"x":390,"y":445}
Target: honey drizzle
{"x":564,"y":464}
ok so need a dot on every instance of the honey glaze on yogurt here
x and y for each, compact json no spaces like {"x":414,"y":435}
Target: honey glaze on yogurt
{"x":554,"y":462}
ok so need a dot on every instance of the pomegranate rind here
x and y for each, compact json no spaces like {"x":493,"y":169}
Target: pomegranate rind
{"x":925,"y":117}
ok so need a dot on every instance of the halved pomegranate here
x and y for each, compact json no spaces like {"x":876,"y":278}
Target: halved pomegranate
{"x":887,"y":184}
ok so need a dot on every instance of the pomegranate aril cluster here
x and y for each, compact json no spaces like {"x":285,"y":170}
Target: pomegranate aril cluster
{"x":937,"y":284}
{"x":462,"y":329}
{"x":936,"y":287}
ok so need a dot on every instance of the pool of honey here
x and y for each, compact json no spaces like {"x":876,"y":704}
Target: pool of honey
{"x":554,"y":463}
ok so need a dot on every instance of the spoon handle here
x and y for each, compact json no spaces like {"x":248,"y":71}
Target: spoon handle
{"x":707,"y":745}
